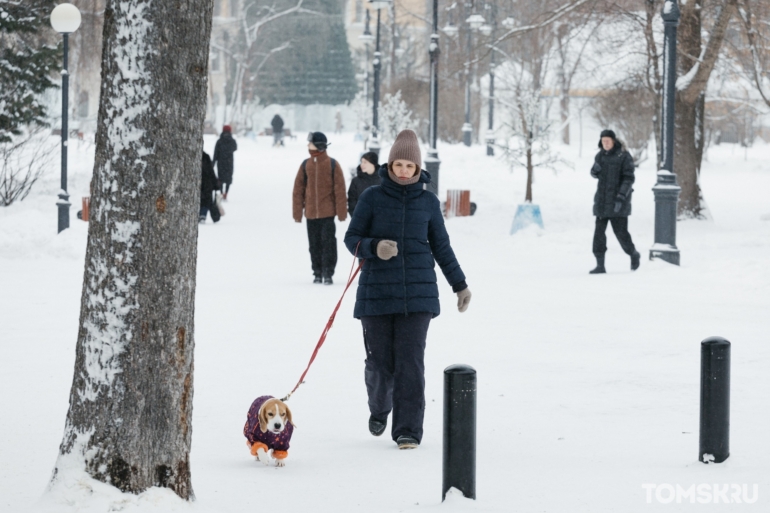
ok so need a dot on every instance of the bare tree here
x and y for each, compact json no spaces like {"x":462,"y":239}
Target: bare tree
{"x":755,"y":17}
{"x":526,"y":129}
{"x":130,"y":411}
{"x":696,"y":62}
{"x":22,"y":162}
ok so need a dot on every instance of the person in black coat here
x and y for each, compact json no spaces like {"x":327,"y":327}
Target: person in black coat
{"x":398,"y":229}
{"x":209,"y":184}
{"x":223,"y":158}
{"x":366,"y":176}
{"x":614,"y":168}
{"x":277,"y":124}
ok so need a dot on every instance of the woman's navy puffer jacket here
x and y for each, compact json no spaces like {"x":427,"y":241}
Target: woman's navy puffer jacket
{"x":411,"y":216}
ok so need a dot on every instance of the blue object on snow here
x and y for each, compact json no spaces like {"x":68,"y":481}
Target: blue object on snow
{"x":526,"y":215}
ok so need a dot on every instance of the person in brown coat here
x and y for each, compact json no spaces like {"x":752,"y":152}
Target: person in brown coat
{"x":319,"y":191}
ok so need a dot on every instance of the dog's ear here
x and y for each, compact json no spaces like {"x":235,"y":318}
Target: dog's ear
{"x":288,"y":416}
{"x":263,"y":417}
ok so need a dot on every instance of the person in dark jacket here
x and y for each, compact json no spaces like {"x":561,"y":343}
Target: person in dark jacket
{"x":614,"y":168}
{"x":366,"y":176}
{"x":398,"y":228}
{"x":209,"y":184}
{"x":223,"y":158}
{"x":277,"y":124}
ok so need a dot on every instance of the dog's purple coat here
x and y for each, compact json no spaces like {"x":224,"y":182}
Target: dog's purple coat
{"x":252,"y":432}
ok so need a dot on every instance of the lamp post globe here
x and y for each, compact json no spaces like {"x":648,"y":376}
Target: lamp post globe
{"x":65,"y":19}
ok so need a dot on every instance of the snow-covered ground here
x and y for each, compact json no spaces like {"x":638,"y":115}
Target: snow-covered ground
{"x":588,"y":386}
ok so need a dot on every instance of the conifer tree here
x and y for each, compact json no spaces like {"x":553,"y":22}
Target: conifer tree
{"x":27,"y":63}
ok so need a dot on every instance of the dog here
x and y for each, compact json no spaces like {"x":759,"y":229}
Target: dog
{"x":268,"y":430}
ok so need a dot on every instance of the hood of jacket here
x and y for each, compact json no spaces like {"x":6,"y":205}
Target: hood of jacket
{"x":396,"y":189}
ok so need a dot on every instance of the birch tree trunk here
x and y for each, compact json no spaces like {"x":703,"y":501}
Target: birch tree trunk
{"x":129,"y":418}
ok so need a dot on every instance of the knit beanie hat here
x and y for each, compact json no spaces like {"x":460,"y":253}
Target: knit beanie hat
{"x":227,"y":128}
{"x":406,"y":147}
{"x":372,"y":158}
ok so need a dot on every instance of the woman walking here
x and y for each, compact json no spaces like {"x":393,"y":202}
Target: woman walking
{"x":223,"y":158}
{"x":399,"y":230}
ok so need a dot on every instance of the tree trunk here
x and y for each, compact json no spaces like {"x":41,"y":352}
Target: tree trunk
{"x":564,"y":108}
{"x":530,"y":170}
{"x":688,"y":155}
{"x":129,"y":419}
{"x":695,"y":65}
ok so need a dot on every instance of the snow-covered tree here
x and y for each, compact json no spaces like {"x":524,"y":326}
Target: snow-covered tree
{"x":130,"y":411}
{"x":394,"y":116}
{"x":27,"y":64}
{"x":525,"y":134}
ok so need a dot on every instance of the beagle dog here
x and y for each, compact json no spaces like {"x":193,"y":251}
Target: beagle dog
{"x":268,"y":430}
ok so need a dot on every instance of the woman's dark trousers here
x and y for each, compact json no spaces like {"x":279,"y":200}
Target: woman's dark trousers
{"x":395,"y":369}
{"x":321,"y":234}
{"x":620,"y":227}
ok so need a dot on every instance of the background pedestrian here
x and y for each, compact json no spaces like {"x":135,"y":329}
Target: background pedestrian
{"x":614,"y":168}
{"x":277,"y":124}
{"x":319,"y":193}
{"x":209,"y":184}
{"x":223,"y":158}
{"x":366,"y":176}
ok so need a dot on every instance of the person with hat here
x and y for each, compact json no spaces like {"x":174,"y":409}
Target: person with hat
{"x":398,"y":229}
{"x":223,"y":158}
{"x":319,"y":193}
{"x":614,"y":168}
{"x":366,"y":176}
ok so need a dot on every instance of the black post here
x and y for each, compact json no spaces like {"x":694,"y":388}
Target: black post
{"x":459,"y":430}
{"x":714,"y":400}
{"x":63,"y":204}
{"x":432,"y":162}
{"x":666,"y":189}
{"x":374,"y":144}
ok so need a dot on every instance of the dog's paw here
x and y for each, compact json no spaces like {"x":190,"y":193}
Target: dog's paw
{"x":280,"y":463}
{"x":263,"y":457}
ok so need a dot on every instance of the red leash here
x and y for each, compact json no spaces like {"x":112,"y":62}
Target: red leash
{"x":351,"y":277}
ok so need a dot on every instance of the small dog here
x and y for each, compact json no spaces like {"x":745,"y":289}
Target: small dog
{"x":268,"y":430}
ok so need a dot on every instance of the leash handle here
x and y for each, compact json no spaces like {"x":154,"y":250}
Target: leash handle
{"x":351,"y":276}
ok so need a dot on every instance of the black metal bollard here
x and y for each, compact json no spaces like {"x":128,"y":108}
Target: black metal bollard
{"x":459,"y":430}
{"x":714,"y":400}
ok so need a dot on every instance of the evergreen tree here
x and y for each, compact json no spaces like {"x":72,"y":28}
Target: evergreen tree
{"x":317,"y":67}
{"x":26,"y":64}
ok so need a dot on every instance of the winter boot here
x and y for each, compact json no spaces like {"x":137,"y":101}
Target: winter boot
{"x":599,"y":266}
{"x":328,"y":281}
{"x":201,"y":219}
{"x":635,"y":260}
{"x":317,"y":279}
{"x":377,"y":427}
{"x":407,"y":442}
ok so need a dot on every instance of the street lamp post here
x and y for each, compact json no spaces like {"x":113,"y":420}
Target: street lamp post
{"x":666,"y":189}
{"x":366,"y":38}
{"x":432,"y":162}
{"x":374,"y":143}
{"x":475,"y":21}
{"x":491,"y":127}
{"x":65,"y":19}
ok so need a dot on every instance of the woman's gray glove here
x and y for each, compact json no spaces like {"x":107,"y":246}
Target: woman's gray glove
{"x":386,"y":249}
{"x":463,"y":299}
